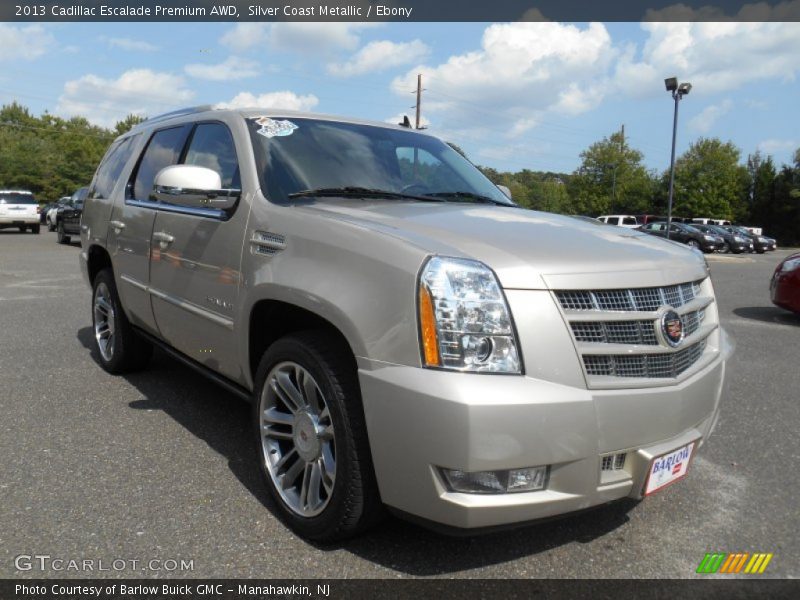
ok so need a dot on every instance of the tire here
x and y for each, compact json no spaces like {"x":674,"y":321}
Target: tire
{"x":726,"y":248}
{"x":120,"y":349}
{"x":35,"y":228}
{"x":321,"y":431}
{"x":693,"y":244}
{"x":760,"y":250}
{"x":50,"y":226}
{"x":62,"y":237}
{"x":22,"y":228}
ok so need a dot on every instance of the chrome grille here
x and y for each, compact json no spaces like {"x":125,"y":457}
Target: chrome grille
{"x":641,"y":332}
{"x":613,"y":462}
{"x":632,"y":300}
{"x":666,"y":365}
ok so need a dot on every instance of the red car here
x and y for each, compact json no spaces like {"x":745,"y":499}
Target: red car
{"x":785,"y":285}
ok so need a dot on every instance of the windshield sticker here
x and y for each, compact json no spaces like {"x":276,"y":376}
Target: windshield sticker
{"x":271,"y":128}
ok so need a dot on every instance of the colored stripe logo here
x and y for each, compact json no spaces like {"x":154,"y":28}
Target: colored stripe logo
{"x":736,"y":562}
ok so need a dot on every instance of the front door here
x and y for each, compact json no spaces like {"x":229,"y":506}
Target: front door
{"x":195,"y":261}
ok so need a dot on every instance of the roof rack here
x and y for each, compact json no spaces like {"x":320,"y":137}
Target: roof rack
{"x":179,"y":113}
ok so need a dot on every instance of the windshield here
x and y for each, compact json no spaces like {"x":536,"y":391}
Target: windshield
{"x":16,"y":198}
{"x":310,"y":154}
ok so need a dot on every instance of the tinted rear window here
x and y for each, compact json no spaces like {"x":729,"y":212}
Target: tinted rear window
{"x":13,"y":198}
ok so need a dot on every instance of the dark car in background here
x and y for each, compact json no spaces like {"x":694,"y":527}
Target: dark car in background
{"x":734,"y":242}
{"x":785,"y":285}
{"x":68,"y":217}
{"x":760,"y":243}
{"x":686,"y":234}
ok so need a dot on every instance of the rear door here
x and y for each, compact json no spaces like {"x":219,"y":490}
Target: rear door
{"x":195,"y":261}
{"x":131,"y":224}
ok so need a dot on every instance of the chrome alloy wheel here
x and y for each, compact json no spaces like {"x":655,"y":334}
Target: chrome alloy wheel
{"x":104,"y":321}
{"x":297,"y":439}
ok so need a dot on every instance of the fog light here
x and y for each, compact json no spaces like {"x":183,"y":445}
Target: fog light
{"x":496,"y":482}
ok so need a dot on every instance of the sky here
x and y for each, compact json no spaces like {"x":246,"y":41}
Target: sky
{"x":512,"y":95}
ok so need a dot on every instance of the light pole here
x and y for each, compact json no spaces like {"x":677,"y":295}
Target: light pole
{"x":678,"y":92}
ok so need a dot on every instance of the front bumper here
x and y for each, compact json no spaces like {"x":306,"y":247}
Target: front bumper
{"x":422,"y":420}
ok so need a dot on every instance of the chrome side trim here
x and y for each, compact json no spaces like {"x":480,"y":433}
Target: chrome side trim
{"x":134,"y":282}
{"x":187,"y":306}
{"x":211,"y":213}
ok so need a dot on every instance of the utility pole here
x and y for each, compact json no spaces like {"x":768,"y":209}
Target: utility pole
{"x":614,"y":173}
{"x":419,"y":99}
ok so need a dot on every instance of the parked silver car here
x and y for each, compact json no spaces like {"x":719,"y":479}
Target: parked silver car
{"x":408,"y":336}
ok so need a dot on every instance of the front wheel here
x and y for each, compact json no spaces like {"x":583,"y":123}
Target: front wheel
{"x":50,"y":225}
{"x":61,"y":237}
{"x":120,"y":348}
{"x":726,"y":248}
{"x":312,"y":439}
{"x":693,"y":244}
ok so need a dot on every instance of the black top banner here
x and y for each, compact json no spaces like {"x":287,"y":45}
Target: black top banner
{"x":399,"y":10}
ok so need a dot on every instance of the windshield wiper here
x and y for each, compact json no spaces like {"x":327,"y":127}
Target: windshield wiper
{"x":360,"y":192}
{"x":469,"y":196}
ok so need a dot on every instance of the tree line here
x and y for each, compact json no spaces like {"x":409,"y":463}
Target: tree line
{"x":49,"y":155}
{"x":52,"y":157}
{"x":710,"y":181}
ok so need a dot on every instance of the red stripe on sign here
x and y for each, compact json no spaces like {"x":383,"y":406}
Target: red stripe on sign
{"x":676,"y":468}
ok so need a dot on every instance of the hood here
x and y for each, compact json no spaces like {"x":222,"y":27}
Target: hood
{"x":527,"y":249}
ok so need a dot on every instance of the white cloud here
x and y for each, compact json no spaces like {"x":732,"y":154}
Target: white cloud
{"x":379,"y":56}
{"x":24,"y":43}
{"x":705,"y":120}
{"x":129,"y":44}
{"x":231,"y":69}
{"x":715,"y":57}
{"x":281,"y":100}
{"x":774,"y":146}
{"x":295,"y":36}
{"x":522,"y":72}
{"x":138,"y":91}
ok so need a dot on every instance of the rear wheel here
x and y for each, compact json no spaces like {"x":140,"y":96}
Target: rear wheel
{"x":120,"y":348}
{"x":312,"y":439}
{"x":62,"y":237}
{"x":35,"y":228}
{"x":50,"y":225}
{"x":22,"y":228}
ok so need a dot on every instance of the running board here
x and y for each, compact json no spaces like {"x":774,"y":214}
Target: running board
{"x":220,"y":380}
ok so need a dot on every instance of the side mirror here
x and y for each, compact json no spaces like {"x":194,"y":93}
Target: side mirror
{"x":505,"y":190}
{"x":197,"y":187}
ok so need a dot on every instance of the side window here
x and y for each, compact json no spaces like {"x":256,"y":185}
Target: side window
{"x":629,"y":221}
{"x":212,"y":147}
{"x":613,"y":220}
{"x":110,"y":169}
{"x":163,"y":150}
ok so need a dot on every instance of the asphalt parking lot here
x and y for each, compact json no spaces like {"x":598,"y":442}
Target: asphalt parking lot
{"x":159,"y":465}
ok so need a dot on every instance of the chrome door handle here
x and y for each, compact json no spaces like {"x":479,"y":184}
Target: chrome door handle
{"x":117,"y":226}
{"x":164,"y":239}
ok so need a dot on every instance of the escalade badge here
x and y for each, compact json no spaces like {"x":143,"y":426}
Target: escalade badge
{"x":672,"y":328}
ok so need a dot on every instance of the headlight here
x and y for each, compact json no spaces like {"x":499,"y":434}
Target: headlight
{"x":791,"y":265}
{"x":709,"y":238}
{"x":738,"y":239}
{"x":465,"y":323}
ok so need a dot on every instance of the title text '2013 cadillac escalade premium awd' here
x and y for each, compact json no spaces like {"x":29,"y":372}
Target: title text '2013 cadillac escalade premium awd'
{"x":409,"y":337}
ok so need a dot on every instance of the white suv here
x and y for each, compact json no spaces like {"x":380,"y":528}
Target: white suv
{"x":621,"y":220}
{"x":18,"y":208}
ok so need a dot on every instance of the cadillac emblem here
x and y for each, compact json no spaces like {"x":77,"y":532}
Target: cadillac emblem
{"x":672,"y":328}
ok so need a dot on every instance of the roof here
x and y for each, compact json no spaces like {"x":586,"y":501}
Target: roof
{"x":253,"y":112}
